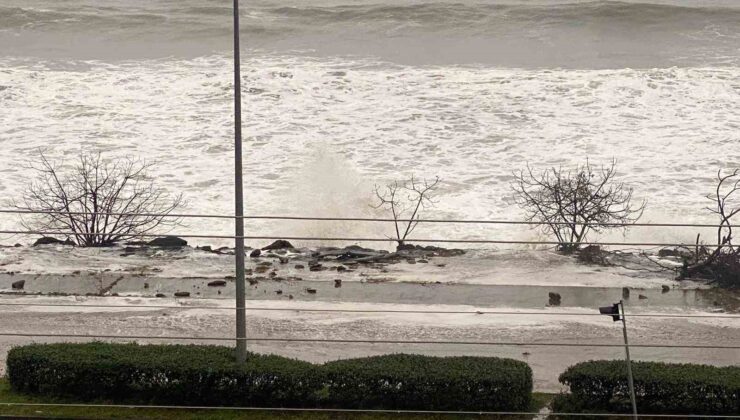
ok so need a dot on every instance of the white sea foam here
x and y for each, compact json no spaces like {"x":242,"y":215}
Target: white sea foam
{"x":321,"y":131}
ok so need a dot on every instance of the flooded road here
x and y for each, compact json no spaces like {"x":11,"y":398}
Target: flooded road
{"x":491,"y":303}
{"x":544,"y":329}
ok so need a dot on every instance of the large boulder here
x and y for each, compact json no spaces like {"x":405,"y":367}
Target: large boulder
{"x":18,"y":285}
{"x":279,"y":244}
{"x":428,"y":251}
{"x":168,"y":242}
{"x":47,"y":240}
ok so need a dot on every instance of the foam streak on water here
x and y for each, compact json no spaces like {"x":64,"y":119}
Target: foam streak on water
{"x":359,"y":121}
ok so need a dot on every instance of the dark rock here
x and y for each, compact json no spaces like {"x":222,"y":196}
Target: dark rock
{"x":290,"y":297}
{"x":146,"y":285}
{"x":46,"y":240}
{"x":283,"y":260}
{"x":253,"y":281}
{"x":299,"y":266}
{"x":593,"y":254}
{"x":625,"y":293}
{"x":641,"y":297}
{"x":338,"y":283}
{"x":18,"y":245}
{"x":128,"y":251}
{"x":667,"y":252}
{"x":231,"y":277}
{"x":160,"y":295}
{"x":341,"y":269}
{"x":554,"y":299}
{"x":674,"y":252}
{"x":261,"y":269}
{"x":206,"y":248}
{"x":18,"y":285}
{"x":665,"y":289}
{"x":168,"y":242}
{"x":279,"y":292}
{"x":411,"y":261}
{"x":279,"y":244}
{"x":428,"y":251}
{"x":254,"y":254}
{"x":422,"y":261}
{"x":352,"y":252}
{"x":217,"y":283}
{"x":311,"y":291}
{"x":182,"y":294}
{"x":317,"y":267}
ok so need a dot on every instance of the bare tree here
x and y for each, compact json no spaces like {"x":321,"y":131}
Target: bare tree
{"x":405,"y":201}
{"x":724,"y":260}
{"x":573,"y":203}
{"x":96,"y":202}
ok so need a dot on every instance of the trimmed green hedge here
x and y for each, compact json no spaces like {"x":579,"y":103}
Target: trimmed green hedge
{"x":403,"y":381}
{"x":161,"y":374}
{"x":208,"y":375}
{"x":659,"y":387}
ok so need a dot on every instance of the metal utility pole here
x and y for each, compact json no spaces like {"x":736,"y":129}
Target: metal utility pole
{"x":629,"y":362}
{"x":241,"y":313}
{"x":616,"y":311}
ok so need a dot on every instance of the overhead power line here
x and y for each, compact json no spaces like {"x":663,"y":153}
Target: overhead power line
{"x":358,"y":411}
{"x":360,"y":219}
{"x":367,"y":341}
{"x":349,"y":239}
{"x":364,"y":311}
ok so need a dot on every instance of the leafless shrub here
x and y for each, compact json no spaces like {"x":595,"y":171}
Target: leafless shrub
{"x":723,"y":262}
{"x":405,"y":201}
{"x":78,"y":202}
{"x":573,"y":203}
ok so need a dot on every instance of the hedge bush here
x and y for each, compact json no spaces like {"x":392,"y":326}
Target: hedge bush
{"x":403,"y":381}
{"x":208,"y":375}
{"x":659,"y":388}
{"x":161,"y":374}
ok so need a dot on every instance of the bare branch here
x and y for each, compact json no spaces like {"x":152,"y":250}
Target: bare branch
{"x":80,"y":200}
{"x":571,"y":204}
{"x":406,"y":211}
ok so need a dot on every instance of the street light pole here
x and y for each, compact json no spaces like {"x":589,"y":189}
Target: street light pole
{"x":241,"y":314}
{"x":629,"y":362}
{"x":616,"y":311}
